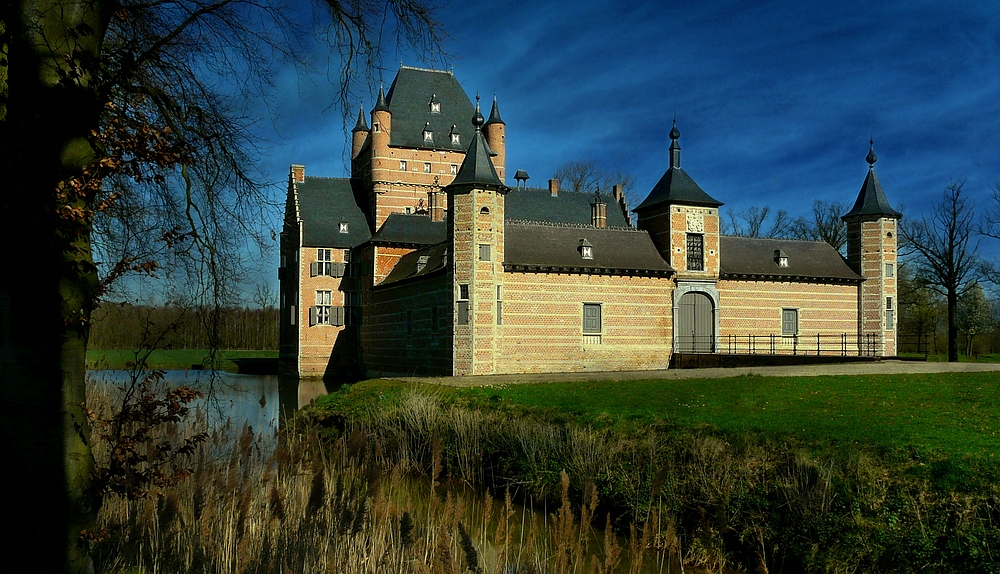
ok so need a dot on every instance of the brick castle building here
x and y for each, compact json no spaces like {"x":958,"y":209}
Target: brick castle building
{"x":425,"y":262}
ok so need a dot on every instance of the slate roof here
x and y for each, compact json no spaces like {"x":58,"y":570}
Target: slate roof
{"x":409,"y":102}
{"x":753,"y":257}
{"x":324,"y":202}
{"x":537,"y":204}
{"x":533,"y":246}
{"x":676,"y":186}
{"x":408,"y":265}
{"x":477,"y":167}
{"x":872,"y":200}
{"x":402,"y":229}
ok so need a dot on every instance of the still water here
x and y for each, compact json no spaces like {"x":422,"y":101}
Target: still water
{"x":260,"y":401}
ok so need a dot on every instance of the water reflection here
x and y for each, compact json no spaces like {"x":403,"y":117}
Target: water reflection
{"x":260,"y":401}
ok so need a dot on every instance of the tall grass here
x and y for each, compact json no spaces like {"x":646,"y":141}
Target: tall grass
{"x":296,"y":503}
{"x":714,"y":499}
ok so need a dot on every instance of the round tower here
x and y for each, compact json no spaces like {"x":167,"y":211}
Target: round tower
{"x":380,"y":130}
{"x":496,"y":138}
{"x":359,"y":133}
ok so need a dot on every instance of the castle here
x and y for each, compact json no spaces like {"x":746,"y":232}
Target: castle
{"x":425,"y":262}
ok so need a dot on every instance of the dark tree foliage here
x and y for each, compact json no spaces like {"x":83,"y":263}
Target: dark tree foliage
{"x":122,"y":137}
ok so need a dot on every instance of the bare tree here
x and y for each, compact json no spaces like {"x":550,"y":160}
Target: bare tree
{"x":586,"y":176}
{"x":757,"y":222}
{"x":945,"y":253}
{"x":825,"y":225}
{"x":118,"y":119}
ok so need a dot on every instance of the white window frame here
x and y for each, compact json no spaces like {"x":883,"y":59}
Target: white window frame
{"x":454,"y":169}
{"x":402,"y":165}
{"x":427,"y":167}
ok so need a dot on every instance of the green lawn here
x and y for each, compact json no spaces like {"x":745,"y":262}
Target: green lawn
{"x":172,"y":359}
{"x":956,"y":413}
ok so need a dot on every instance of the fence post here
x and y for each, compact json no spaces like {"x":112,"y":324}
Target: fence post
{"x":817,"y":344}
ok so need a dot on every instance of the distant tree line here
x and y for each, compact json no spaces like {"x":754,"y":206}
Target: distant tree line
{"x":128,"y":326}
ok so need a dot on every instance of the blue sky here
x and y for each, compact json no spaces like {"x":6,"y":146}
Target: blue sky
{"x":775,"y":101}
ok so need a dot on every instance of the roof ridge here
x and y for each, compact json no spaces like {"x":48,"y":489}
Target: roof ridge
{"x":529,"y":222}
{"x":774,"y":239}
{"x":405,"y":67}
{"x":326,"y":177}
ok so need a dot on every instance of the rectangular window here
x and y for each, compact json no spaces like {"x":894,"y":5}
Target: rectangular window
{"x":695,"y":252}
{"x":347,"y":256}
{"x":789,"y":322}
{"x":499,"y":304}
{"x":463,"y":304}
{"x":592,"y":318}
{"x":889,"y":270}
{"x":484,"y":252}
{"x":402,"y":165}
{"x":323,"y":264}
{"x":889,"y":314}
{"x":292,"y":314}
{"x":454,"y":169}
{"x":320,"y":314}
{"x":427,"y":167}
{"x":352,"y":308}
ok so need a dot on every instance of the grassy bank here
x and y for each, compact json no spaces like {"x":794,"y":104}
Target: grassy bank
{"x":174,"y":359}
{"x":817,"y":474}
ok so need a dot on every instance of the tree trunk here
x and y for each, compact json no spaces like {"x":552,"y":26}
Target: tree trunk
{"x":952,"y":325}
{"x":49,"y":282}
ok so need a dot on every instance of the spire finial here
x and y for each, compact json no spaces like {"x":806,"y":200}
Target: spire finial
{"x":871,"y":158}
{"x":478,"y":120}
{"x":675,"y":134}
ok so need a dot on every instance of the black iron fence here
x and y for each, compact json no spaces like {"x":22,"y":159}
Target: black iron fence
{"x":834,"y":344}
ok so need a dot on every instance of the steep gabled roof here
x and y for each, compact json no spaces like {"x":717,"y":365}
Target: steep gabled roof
{"x":541,"y":247}
{"x":403,"y":229}
{"x":872,"y":201}
{"x":745,"y":257}
{"x":324,"y":203}
{"x":537,"y":204}
{"x":409,"y":100}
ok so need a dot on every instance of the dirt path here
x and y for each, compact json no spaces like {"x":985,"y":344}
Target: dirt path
{"x":880,"y":367}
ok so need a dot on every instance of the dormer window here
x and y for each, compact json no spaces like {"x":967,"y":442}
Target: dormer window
{"x":343,"y":227}
{"x":586,"y":249}
{"x":421,"y":263}
{"x":435,"y":105}
{"x":456,"y":138}
{"x":428,"y":134}
{"x":780,"y":258}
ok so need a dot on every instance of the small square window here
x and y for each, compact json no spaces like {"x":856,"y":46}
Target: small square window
{"x":428,"y":136}
{"x":402,"y":165}
{"x":456,"y":138}
{"x":343,"y":227}
{"x":889,"y":271}
{"x":484,"y":252}
{"x":435,"y":107}
{"x":376,"y":127}
{"x":454,"y":169}
{"x":427,"y":167}
{"x":587,"y":252}
{"x":463,"y":291}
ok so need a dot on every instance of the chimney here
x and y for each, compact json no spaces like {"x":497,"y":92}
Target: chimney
{"x":554,"y":187}
{"x":435,"y":206}
{"x":298,"y":173}
{"x":599,"y":213}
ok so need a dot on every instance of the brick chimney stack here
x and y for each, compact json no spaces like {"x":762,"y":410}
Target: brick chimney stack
{"x":599,"y":213}
{"x":298,"y":173}
{"x":435,"y":205}
{"x":554,"y":187}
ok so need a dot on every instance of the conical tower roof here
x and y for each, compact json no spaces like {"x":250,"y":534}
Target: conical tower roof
{"x":495,"y":113}
{"x":362,"y":125}
{"x":676,"y":186}
{"x":380,"y":104}
{"x":477,"y":168}
{"x":872,"y":201}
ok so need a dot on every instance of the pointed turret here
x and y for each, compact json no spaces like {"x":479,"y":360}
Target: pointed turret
{"x":477,"y":168}
{"x":359,"y":134}
{"x":676,"y":186}
{"x":380,"y":103}
{"x":496,"y":137}
{"x":872,"y":201}
{"x":872,"y":229}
